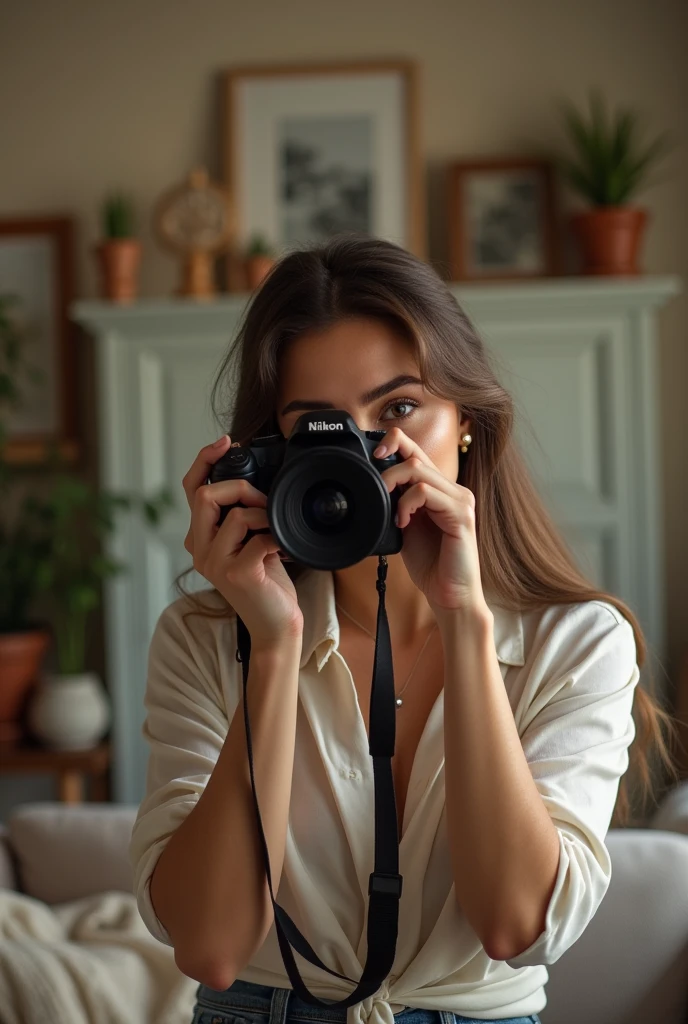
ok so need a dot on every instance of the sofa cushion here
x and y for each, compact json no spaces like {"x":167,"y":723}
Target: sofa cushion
{"x":66,"y":851}
{"x":631,"y":963}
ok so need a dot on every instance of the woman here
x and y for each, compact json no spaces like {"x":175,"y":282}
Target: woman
{"x":518,"y":680}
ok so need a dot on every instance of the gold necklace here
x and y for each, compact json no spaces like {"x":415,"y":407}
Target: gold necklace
{"x":398,"y":701}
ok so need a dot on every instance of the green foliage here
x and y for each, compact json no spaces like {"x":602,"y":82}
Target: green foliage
{"x":118,"y":216}
{"x":12,"y":361}
{"x":20,"y":547}
{"x":611,"y":165}
{"x":24,"y":547}
{"x":54,"y":545}
{"x":259,"y":246}
{"x":76,"y":520}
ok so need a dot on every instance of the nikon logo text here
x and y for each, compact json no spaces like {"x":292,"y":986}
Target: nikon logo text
{"x":321,"y":425}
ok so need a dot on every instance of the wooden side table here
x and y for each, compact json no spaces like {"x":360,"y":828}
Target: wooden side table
{"x":70,"y":766}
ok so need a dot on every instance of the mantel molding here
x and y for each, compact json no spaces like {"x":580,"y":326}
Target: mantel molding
{"x":556,"y":295}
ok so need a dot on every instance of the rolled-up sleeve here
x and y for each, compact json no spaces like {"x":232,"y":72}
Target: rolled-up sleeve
{"x":185,"y":727}
{"x":578,"y":729}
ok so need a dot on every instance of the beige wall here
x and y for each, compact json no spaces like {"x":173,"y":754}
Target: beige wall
{"x":97,"y":94}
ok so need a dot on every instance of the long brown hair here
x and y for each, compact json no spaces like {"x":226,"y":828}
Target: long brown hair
{"x":524,"y":560}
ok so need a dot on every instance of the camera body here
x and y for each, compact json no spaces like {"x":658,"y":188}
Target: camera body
{"x":328,"y":506}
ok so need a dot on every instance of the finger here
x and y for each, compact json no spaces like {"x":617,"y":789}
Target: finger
{"x":395,"y":440}
{"x":234,"y":528}
{"x":227,"y":492}
{"x":209,"y":498}
{"x":443,"y":509}
{"x":253,"y":553}
{"x":238,"y":521}
{"x":200,"y":467}
{"x":423,"y":496}
{"x":413,"y":471}
{"x":224,"y":492}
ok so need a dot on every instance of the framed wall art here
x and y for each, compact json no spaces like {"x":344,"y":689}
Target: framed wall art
{"x":36,"y":268}
{"x":312,"y":151}
{"x":501,"y":220}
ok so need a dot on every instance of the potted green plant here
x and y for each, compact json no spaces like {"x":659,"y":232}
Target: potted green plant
{"x":610,"y":166}
{"x":23,"y":639}
{"x":51,"y":541}
{"x":118,"y":254}
{"x":69,"y":709}
{"x":259,"y":260}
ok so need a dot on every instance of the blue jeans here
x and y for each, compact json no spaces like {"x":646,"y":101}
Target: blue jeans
{"x":246,"y":1003}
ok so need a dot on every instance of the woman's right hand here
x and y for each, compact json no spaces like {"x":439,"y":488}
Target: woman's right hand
{"x":251,"y":576}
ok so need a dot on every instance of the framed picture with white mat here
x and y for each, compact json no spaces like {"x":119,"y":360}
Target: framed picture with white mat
{"x":317,"y":150}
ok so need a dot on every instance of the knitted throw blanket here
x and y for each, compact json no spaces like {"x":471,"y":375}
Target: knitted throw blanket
{"x":88,"y":961}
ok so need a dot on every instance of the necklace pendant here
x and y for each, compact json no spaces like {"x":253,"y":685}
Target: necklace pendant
{"x":399,"y":702}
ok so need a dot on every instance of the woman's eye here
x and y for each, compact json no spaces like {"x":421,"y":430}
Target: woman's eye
{"x":400,"y":403}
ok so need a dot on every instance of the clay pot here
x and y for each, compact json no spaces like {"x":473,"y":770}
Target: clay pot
{"x":118,"y":260}
{"x":21,"y":656}
{"x":257,"y":267}
{"x":610,"y":238}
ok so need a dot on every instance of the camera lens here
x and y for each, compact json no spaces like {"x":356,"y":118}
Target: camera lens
{"x":328,"y":508}
{"x":325,"y":506}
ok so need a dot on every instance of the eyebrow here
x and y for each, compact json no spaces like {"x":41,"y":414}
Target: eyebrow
{"x":366,"y":398}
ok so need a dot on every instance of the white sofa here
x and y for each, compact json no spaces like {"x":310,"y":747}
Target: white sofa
{"x":629,"y":967}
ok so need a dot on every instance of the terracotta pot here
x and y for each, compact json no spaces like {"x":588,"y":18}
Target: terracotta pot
{"x":257,"y":267}
{"x":118,"y":260}
{"x":610,"y":238}
{"x":21,"y":656}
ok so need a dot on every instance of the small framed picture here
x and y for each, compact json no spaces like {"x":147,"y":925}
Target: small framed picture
{"x":36,"y":274}
{"x":317,"y":150}
{"x":501,"y":220}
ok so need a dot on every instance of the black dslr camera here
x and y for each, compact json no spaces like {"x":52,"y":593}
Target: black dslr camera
{"x":328,"y":506}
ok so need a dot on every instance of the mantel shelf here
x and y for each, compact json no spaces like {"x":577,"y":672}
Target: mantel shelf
{"x":556,"y":293}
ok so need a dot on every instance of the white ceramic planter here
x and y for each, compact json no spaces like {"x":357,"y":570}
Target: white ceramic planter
{"x":69,"y":712}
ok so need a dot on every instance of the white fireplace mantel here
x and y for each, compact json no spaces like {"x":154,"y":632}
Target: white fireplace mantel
{"x":578,"y":355}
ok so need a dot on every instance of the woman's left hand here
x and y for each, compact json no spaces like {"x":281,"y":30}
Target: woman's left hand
{"x":440,"y":548}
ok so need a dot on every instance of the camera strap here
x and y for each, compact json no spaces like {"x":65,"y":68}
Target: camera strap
{"x":385,"y":882}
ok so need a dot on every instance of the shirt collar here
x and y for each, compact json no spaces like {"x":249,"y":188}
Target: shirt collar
{"x":315,"y":591}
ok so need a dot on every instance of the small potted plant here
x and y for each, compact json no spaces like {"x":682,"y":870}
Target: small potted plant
{"x":610,"y":167}
{"x":259,"y":260}
{"x":119,"y":253}
{"x":69,"y":709}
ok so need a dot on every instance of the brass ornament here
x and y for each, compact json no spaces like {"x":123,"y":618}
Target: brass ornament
{"x":197,"y":220}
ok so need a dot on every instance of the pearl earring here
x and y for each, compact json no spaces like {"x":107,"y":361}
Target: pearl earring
{"x":466,"y":439}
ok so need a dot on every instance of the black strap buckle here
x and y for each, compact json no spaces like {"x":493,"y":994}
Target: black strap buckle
{"x":387,"y":885}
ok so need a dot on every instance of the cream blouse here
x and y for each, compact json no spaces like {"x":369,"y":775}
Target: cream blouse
{"x":569,"y":672}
